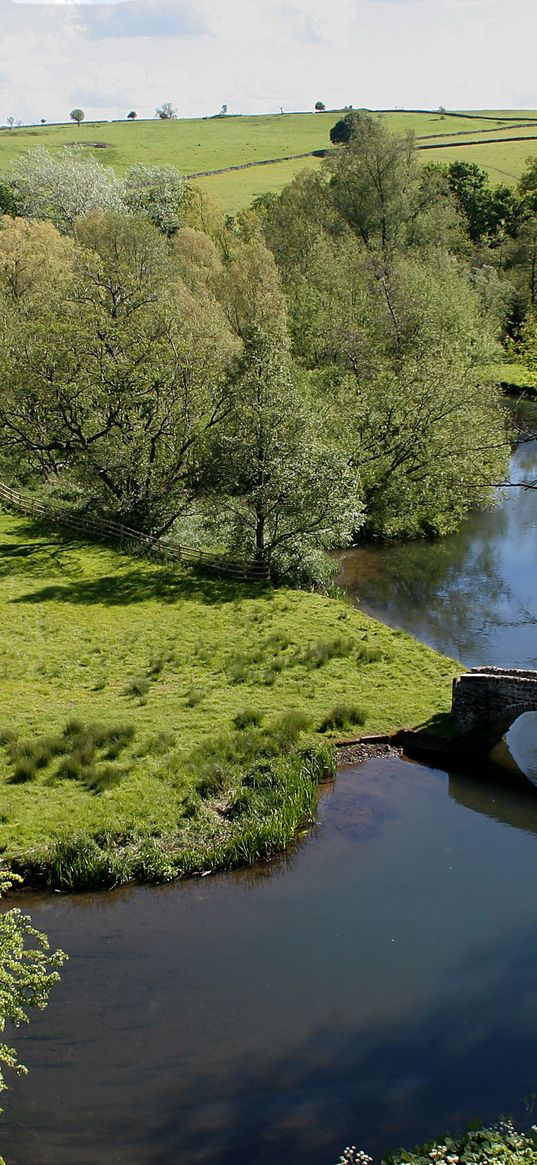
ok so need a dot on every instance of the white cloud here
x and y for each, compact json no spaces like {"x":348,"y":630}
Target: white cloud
{"x":256,"y":55}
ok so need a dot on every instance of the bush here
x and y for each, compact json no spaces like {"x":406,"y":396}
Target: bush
{"x":502,"y":1143}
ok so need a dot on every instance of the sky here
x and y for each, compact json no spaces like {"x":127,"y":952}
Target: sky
{"x":259,"y":55}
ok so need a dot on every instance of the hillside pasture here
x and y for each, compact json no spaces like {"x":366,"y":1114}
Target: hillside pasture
{"x":208,"y":144}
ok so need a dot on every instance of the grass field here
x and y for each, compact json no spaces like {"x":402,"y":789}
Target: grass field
{"x":135,"y":697}
{"x":214,"y":143}
{"x":515,"y":376}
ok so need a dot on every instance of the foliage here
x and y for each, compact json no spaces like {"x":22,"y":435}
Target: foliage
{"x":28,"y":971}
{"x":501,"y":1142}
{"x":342,"y":131}
{"x":166,"y":111}
{"x":212,"y":143}
{"x":156,"y":193}
{"x":133,"y":373}
{"x":489,"y":211}
{"x":282,"y":486}
{"x":64,"y":186}
{"x":320,"y":107}
{"x":376,"y":182}
{"x":77,"y":115}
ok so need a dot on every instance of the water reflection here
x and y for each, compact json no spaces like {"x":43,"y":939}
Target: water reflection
{"x":382,"y":988}
{"x":507,"y":802}
{"x":472,"y":595}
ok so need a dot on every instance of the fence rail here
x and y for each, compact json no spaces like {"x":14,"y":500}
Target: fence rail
{"x":102,"y":528}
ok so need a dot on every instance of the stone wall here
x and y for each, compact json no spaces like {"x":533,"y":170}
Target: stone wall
{"x":493,"y":697}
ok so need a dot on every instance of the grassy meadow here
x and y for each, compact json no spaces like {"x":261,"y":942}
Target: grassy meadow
{"x":154,"y":722}
{"x":213,"y":143}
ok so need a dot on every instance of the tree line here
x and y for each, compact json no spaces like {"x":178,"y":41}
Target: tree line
{"x":273,"y":384}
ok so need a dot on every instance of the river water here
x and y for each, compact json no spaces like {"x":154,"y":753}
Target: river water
{"x":376,"y":986}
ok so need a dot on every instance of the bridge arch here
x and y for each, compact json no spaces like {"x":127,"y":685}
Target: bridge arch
{"x":490,"y":699}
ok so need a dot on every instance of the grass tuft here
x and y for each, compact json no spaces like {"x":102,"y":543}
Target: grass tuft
{"x":317,"y":654}
{"x":343,"y":716}
{"x":248,"y":718}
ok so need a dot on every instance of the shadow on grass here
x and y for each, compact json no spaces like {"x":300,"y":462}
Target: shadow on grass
{"x":40,"y":555}
{"x":441,"y":726}
{"x":137,"y":586}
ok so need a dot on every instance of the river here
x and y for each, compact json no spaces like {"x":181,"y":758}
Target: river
{"x":376,"y":986}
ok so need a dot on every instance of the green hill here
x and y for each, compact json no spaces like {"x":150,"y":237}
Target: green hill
{"x":216,"y":143}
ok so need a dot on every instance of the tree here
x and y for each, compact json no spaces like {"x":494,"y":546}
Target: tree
{"x":377,"y":183}
{"x":156,"y":192}
{"x":63,"y":186}
{"x":77,"y":115}
{"x":10,"y":122}
{"x":43,"y":121}
{"x":120,"y":376}
{"x":36,"y":266}
{"x":410,"y":340}
{"x":28,"y":971}
{"x":223,"y":111}
{"x":166,"y":111}
{"x":527,"y":186}
{"x":8,"y":201}
{"x":283,"y":488}
{"x":341,"y":132}
{"x":320,"y":106}
{"x":132,"y":115}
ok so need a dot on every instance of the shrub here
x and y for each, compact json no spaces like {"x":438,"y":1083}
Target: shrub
{"x":502,"y":1143}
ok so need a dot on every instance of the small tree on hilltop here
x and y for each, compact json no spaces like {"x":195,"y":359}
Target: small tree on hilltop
{"x":77,"y":115}
{"x":166,"y":111}
{"x":320,"y":106}
{"x":132,"y":115}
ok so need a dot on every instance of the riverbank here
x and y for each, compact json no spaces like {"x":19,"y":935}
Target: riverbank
{"x":155,"y":723}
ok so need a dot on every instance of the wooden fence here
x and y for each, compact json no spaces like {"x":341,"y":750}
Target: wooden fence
{"x":115,"y":531}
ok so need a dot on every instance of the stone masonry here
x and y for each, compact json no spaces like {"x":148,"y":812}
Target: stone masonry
{"x":493,"y":697}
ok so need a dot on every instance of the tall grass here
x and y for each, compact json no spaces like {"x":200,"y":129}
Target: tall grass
{"x":280,"y":800}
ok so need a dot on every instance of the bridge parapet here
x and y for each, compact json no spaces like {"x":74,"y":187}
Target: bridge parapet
{"x":493,"y":697}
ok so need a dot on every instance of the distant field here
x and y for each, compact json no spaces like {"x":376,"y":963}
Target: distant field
{"x":215,"y":143}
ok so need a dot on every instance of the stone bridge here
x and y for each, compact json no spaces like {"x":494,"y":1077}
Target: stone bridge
{"x":492,"y":698}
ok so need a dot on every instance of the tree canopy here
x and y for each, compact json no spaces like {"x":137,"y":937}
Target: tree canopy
{"x":315,"y":368}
